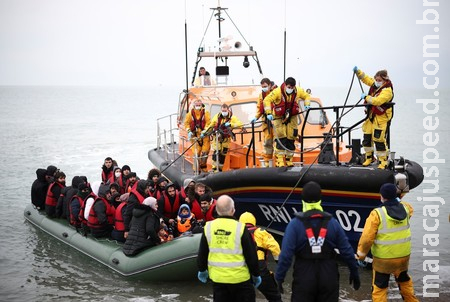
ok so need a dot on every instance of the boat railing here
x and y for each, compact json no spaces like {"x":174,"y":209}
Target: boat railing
{"x":338,"y":132}
{"x":167,"y":134}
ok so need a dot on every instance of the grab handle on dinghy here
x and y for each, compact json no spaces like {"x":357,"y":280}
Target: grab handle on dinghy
{"x":115,"y":261}
{"x":28,"y":213}
{"x":65,"y":235}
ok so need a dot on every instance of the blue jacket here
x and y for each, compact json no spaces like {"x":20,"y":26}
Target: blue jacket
{"x":295,"y":239}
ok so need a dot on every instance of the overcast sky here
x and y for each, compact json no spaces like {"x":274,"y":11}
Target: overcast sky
{"x":135,"y":42}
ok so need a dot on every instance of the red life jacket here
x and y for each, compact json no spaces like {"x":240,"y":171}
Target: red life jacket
{"x":137,"y":194}
{"x":197,"y":124}
{"x":209,"y":215}
{"x":106,"y":177}
{"x":374,"y":91}
{"x":196,"y":209}
{"x":93,"y":219}
{"x":288,"y":103}
{"x":263,"y":96}
{"x":51,"y":199}
{"x":171,"y":211}
{"x":83,"y":206}
{"x":119,"y":225}
{"x":225,"y":131}
{"x":74,"y":220}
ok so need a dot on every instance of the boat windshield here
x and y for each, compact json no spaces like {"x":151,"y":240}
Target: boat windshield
{"x":316,"y":117}
{"x":243,"y":111}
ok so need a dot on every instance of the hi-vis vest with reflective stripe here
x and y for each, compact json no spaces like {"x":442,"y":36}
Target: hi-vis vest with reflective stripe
{"x":393,"y":239}
{"x":226,"y":262}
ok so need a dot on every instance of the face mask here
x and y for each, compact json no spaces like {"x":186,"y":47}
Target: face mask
{"x":117,"y":174}
{"x":378,"y":84}
{"x":289,"y":90}
{"x":224,"y":113}
{"x":265,"y":89}
{"x":198,"y":107}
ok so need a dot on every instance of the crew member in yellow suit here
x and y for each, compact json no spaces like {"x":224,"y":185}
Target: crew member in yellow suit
{"x":285,"y":103}
{"x":387,"y":234}
{"x":221,"y":128}
{"x":379,"y":115}
{"x":266,"y":86}
{"x":195,"y":122}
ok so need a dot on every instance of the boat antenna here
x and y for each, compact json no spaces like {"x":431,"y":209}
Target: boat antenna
{"x":186,"y":48}
{"x":284,"y":56}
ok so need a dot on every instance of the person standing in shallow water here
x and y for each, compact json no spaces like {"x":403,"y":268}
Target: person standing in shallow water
{"x":227,"y":255}
{"x":387,"y":234}
{"x":312,"y":237}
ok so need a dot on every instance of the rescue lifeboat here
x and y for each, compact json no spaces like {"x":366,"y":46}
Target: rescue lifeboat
{"x":175,"y":260}
{"x":325,"y":152}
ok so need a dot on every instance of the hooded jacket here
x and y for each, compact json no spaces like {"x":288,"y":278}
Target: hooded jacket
{"x":39,"y":189}
{"x":62,"y":207}
{"x":136,"y":197}
{"x":143,"y":231}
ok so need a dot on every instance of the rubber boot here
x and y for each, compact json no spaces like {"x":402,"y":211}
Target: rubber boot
{"x":383,"y":162}
{"x":369,"y":159}
{"x":289,"y":161}
{"x":379,"y":294}
{"x":267,"y":158}
{"x":279,"y":160}
{"x":407,"y":291}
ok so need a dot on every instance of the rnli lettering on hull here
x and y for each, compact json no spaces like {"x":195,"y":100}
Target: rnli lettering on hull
{"x":281,"y":215}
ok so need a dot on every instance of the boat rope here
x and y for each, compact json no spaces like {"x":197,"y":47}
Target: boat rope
{"x":326,"y":141}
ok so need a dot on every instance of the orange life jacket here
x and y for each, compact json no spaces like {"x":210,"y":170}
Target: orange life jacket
{"x":184,"y":224}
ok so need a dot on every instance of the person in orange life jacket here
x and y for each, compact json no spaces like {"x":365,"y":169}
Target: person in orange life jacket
{"x":53,"y":193}
{"x":169,"y":204}
{"x":379,"y":115}
{"x":223,"y":124}
{"x":164,"y":234}
{"x":62,"y":206}
{"x":132,"y":180}
{"x":101,"y":214}
{"x":282,"y":106}
{"x":77,"y":202}
{"x":266,"y":86}
{"x":387,"y":234}
{"x":208,"y":205}
{"x":137,"y":196}
{"x":186,"y":221}
{"x":195,"y":122}
{"x":227,"y":255}
{"x":152,"y":177}
{"x":144,"y":228}
{"x":312,"y":237}
{"x":39,"y":189}
{"x":119,"y":225}
{"x":264,"y":242}
{"x":107,"y":169}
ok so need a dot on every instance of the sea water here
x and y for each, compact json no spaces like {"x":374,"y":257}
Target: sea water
{"x":75,"y":128}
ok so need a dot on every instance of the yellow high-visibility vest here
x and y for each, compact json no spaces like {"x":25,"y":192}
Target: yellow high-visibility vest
{"x":226,"y":262}
{"x":393,"y":238}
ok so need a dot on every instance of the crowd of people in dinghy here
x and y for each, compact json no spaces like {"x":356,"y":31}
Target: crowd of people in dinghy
{"x":140,"y":213}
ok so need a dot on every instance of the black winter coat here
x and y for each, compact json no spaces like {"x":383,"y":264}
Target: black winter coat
{"x":143,"y":232}
{"x":39,"y":189}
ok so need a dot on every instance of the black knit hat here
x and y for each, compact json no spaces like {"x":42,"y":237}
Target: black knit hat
{"x":51,"y":170}
{"x":126,"y":167}
{"x":388,"y":191}
{"x":312,"y":192}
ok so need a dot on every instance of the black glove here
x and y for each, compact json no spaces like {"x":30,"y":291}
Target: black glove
{"x":280,"y":287}
{"x":354,"y":278}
